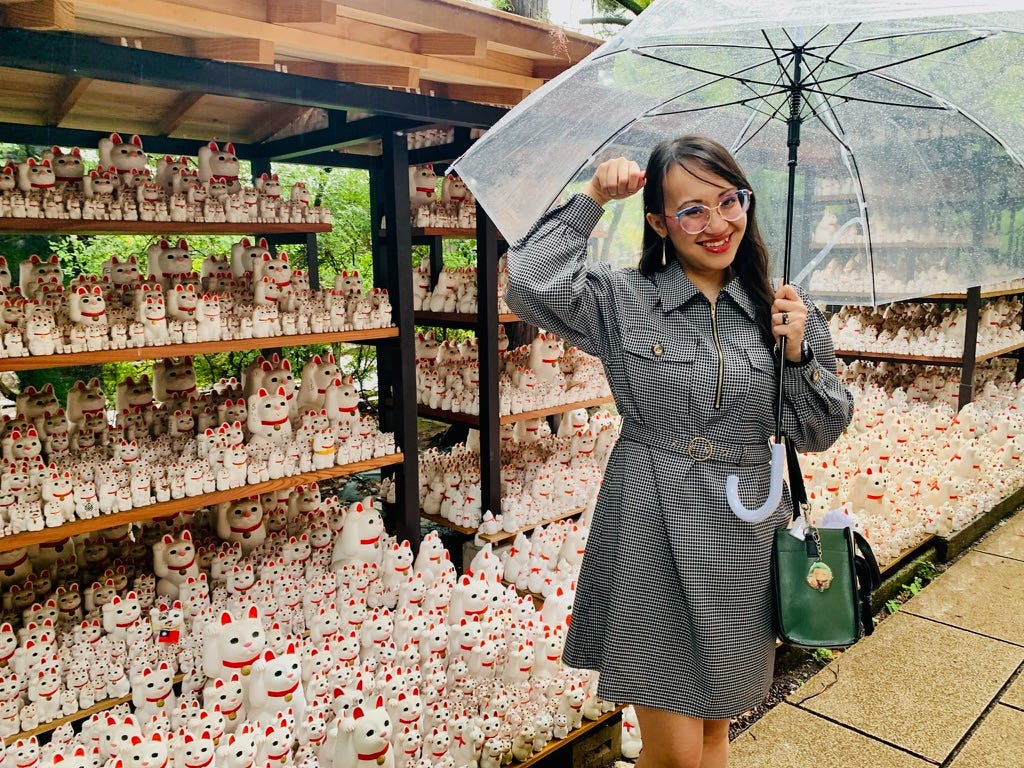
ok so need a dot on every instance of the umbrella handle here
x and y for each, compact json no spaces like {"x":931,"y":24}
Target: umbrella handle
{"x":732,"y":484}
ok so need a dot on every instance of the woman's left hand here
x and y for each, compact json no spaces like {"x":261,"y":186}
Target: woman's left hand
{"x":789,"y":316}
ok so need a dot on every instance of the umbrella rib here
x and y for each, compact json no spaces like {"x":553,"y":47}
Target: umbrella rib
{"x":891,"y":64}
{"x":737,"y":75}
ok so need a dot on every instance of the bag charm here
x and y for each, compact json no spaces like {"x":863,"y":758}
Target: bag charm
{"x":819,"y":576}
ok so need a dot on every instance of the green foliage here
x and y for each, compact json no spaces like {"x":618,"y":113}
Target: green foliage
{"x":823,"y":655}
{"x":892,"y":605}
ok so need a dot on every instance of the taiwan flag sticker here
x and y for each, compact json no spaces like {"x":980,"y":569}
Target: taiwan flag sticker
{"x":168,"y":636}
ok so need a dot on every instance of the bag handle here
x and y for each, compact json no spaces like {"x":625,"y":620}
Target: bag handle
{"x":796,"y":478}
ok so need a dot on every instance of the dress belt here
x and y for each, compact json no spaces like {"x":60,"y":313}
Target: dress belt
{"x":696,"y":447}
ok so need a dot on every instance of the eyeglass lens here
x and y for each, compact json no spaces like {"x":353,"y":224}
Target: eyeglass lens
{"x":695,"y":219}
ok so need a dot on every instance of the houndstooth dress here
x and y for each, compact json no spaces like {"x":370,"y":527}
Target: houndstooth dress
{"x":673,"y":603}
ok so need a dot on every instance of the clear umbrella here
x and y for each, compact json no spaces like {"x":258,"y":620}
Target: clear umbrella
{"x":908,"y":176}
{"x":883,"y":139}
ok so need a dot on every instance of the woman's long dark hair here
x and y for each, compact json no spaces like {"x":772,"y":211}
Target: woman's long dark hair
{"x":751,"y":262}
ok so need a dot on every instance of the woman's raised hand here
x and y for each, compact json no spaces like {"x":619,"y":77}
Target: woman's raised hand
{"x":614,"y":180}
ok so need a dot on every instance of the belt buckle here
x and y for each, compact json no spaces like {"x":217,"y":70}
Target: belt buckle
{"x":700,"y":449}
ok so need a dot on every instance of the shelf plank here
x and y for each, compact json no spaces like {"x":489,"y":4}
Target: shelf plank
{"x":502,"y":537}
{"x":557,"y":744}
{"x":924,"y":359}
{"x":165,"y":508}
{"x":448,"y":524}
{"x":448,"y":417}
{"x":512,"y":418}
{"x":77,"y":226}
{"x":989,"y":294}
{"x":458,"y":319}
{"x":101,"y":706}
{"x":131,"y":354}
{"x":494,"y":538}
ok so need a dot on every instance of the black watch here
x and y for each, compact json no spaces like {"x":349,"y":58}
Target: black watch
{"x":806,"y":354}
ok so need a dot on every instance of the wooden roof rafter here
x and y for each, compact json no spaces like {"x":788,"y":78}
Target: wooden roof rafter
{"x":196,"y":81}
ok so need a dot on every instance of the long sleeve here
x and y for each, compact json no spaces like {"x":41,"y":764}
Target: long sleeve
{"x":549,"y":283}
{"x":817,"y":407}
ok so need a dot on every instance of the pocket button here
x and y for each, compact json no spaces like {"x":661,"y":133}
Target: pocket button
{"x":658,"y":350}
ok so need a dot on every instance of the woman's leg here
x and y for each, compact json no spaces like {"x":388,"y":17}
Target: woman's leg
{"x":671,"y":740}
{"x":716,"y":744}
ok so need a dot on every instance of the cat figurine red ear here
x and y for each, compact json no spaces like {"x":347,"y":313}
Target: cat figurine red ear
{"x":123,"y":156}
{"x":220,"y":164}
{"x":68,"y":167}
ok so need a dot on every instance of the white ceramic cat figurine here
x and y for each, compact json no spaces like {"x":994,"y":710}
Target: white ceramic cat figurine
{"x":232,"y":646}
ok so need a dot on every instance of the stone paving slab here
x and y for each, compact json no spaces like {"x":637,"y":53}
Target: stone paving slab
{"x":1014,"y":695}
{"x":789,"y":737}
{"x":996,"y":743}
{"x":980,"y":592}
{"x":1007,"y":541}
{"x":914,"y":683}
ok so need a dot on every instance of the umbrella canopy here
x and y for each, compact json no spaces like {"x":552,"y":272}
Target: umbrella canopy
{"x":909,"y":174}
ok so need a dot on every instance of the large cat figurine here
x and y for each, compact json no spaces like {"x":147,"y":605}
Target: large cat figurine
{"x":276,"y":685}
{"x":232,"y":646}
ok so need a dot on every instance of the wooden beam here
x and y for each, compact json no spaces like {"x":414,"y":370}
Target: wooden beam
{"x":497,"y":27}
{"x":300,"y":12}
{"x":444,"y":44}
{"x":546,"y":70}
{"x":171,"y":18}
{"x":175,"y":116}
{"x":40,"y":14}
{"x":238,"y":50}
{"x":367,"y":74}
{"x":71,"y":91}
{"x":275,"y":118}
{"x":481,"y":94}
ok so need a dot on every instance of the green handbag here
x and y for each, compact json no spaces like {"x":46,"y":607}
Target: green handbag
{"x":823,"y":581}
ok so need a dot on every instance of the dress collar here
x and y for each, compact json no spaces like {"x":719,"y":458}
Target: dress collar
{"x":675,"y":290}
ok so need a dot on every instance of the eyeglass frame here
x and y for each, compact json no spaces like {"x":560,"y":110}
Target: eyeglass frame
{"x":749,"y":193}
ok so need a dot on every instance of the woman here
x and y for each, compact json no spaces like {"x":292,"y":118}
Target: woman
{"x":673,"y":604}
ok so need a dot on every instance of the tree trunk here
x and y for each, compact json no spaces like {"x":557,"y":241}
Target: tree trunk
{"x":531,"y":9}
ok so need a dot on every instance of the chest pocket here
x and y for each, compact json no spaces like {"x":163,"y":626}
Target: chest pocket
{"x":763,"y":375}
{"x":660,"y":368}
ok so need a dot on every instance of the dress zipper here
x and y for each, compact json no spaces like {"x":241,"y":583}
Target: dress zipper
{"x":721,"y":359}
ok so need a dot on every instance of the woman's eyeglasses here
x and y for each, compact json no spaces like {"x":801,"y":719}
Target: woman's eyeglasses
{"x":694,"y":219}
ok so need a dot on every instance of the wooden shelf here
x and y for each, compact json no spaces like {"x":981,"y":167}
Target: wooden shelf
{"x":448,"y":524}
{"x":924,"y":359}
{"x":499,"y":538}
{"x":77,"y":226}
{"x":131,"y":354}
{"x":165,"y":508}
{"x":81,"y":714}
{"x":512,"y":418}
{"x":458,"y":319}
{"x":989,"y":294}
{"x":837,"y":197}
{"x":557,"y":744}
{"x":905,"y":244}
{"x":493,"y":538}
{"x":450,"y":417}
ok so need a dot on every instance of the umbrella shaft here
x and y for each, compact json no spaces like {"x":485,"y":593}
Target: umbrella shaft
{"x":793,"y":141}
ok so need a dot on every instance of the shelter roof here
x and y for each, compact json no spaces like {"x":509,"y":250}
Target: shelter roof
{"x":258,"y":71}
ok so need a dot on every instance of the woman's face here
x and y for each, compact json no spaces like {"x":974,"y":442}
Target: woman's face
{"x":704,"y":256}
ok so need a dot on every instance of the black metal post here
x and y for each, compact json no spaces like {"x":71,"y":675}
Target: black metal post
{"x":487,"y":335}
{"x":970,"y":347}
{"x":392,"y":269}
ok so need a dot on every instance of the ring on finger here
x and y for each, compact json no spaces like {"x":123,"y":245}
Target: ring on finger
{"x":785,"y":318}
